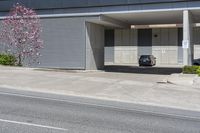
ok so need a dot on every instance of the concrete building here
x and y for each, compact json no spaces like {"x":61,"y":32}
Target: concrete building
{"x":87,"y":34}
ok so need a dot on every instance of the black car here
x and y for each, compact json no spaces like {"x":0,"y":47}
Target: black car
{"x":147,"y":60}
{"x":196,"y":62}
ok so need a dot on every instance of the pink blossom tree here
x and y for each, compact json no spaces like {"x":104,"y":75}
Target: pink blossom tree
{"x":21,"y":34}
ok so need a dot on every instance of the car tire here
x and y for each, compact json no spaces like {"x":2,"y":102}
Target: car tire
{"x":151,"y":63}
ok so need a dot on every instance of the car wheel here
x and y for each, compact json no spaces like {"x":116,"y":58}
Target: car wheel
{"x":151,"y":63}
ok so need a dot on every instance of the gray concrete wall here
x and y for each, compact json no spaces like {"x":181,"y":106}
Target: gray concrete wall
{"x":71,"y":43}
{"x":196,"y":35}
{"x":64,"y":43}
{"x":165,"y":45}
{"x":2,"y":46}
{"x":109,"y":55}
{"x":94,"y":46}
{"x":125,"y":50}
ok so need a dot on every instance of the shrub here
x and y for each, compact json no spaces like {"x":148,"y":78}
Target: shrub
{"x":191,"y":70}
{"x":198,"y":71}
{"x":7,"y":59}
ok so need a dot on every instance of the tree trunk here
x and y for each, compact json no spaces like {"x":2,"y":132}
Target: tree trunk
{"x":19,"y":60}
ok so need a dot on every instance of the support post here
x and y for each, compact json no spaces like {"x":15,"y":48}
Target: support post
{"x":187,"y":38}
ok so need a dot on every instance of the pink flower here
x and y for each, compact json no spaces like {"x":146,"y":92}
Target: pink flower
{"x":22,"y":32}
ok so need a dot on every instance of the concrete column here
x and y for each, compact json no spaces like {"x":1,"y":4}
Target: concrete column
{"x":187,"y":38}
{"x":94,"y":46}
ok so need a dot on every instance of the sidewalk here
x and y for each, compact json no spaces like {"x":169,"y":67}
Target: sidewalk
{"x":143,"y":89}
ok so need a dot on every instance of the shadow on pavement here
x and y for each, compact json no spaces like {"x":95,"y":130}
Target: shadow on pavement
{"x":143,"y":70}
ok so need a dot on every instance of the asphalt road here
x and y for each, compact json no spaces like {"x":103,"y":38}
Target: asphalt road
{"x":25,"y":113}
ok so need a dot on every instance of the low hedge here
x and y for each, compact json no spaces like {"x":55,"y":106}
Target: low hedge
{"x":191,"y":70}
{"x":7,"y":59}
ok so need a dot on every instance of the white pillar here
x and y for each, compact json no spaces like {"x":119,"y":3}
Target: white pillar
{"x":187,"y":38}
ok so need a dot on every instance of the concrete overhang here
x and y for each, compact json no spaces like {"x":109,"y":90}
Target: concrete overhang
{"x":144,"y":18}
{"x":139,"y":20}
{"x":154,"y":17}
{"x":109,"y":22}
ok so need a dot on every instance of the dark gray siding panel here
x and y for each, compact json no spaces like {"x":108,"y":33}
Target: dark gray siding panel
{"x":49,"y":4}
{"x":180,"y":36}
{"x":64,"y":43}
{"x":109,"y":38}
{"x":114,"y":2}
{"x":145,"y":37}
